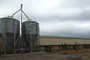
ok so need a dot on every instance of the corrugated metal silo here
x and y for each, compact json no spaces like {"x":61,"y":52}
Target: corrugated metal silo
{"x":9,"y":33}
{"x":30,"y":33}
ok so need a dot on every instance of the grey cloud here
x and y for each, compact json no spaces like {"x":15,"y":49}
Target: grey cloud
{"x":82,"y":16}
{"x":76,"y":3}
{"x":46,"y":16}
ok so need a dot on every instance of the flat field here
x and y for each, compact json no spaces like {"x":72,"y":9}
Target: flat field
{"x":59,"y":41}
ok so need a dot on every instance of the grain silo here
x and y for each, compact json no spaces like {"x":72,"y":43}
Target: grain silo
{"x":9,"y":33}
{"x":30,"y":33}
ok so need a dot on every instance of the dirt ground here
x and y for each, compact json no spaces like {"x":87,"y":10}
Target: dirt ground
{"x":46,"y":56}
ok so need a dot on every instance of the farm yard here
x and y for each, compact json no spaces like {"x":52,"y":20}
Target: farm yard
{"x":54,"y":54}
{"x":45,"y":30}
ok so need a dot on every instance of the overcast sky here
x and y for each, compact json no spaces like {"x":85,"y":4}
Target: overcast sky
{"x":69,"y":18}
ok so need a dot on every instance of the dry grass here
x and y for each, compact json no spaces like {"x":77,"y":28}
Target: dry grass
{"x":58,"y":41}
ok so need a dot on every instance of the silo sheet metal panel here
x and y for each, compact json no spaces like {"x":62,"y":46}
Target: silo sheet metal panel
{"x":9,"y":25}
{"x":30,"y":31}
{"x":0,"y":26}
{"x":30,"y":27}
{"x":9,"y":32}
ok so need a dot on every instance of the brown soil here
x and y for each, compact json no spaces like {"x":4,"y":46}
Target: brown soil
{"x":46,"y":56}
